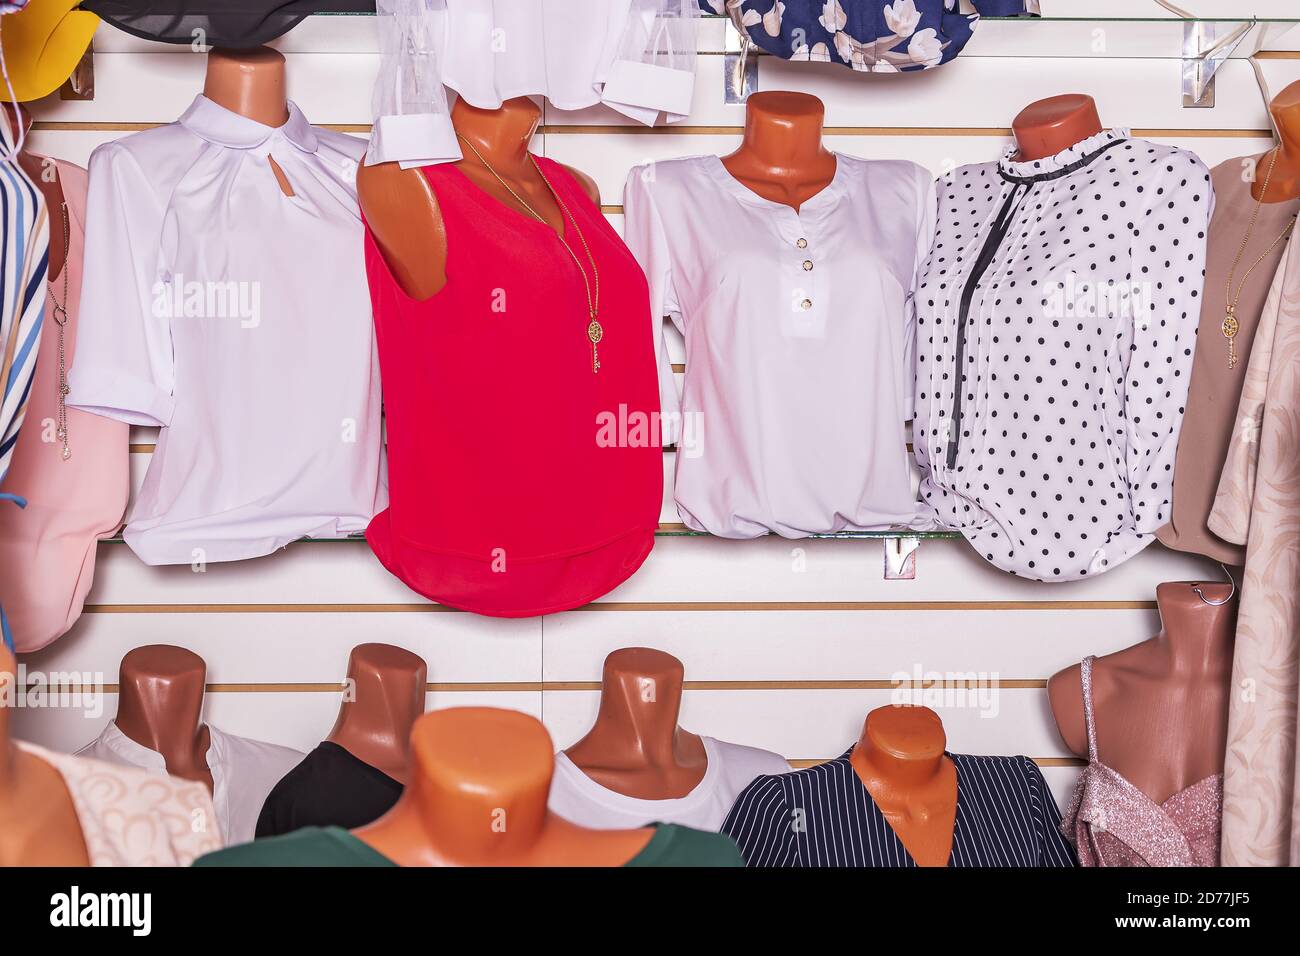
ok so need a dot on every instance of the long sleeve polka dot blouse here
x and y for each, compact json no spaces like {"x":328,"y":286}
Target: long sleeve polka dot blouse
{"x":1062,"y":295}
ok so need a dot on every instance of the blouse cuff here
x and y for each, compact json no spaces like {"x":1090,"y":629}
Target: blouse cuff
{"x":641,"y":90}
{"x":123,"y":398}
{"x":413,"y":139}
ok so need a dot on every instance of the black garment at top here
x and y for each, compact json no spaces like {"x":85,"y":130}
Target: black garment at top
{"x":329,"y":788}
{"x":824,"y":816}
{"x":240,"y":24}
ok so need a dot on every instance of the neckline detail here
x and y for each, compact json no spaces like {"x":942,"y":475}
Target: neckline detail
{"x":746,"y":195}
{"x":1059,"y":164}
{"x":956,"y":817}
{"x":621,"y":801}
{"x":211,"y":121}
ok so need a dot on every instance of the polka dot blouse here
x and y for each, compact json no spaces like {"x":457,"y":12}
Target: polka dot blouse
{"x":1056,"y":321}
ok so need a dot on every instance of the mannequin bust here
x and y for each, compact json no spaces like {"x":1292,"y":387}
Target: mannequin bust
{"x":45,"y":175}
{"x":782,"y":157}
{"x":38,"y":820}
{"x":901,"y":761}
{"x":402,"y":211}
{"x":1045,"y":127}
{"x":374,"y":725}
{"x":1285,"y":181}
{"x":477,"y":795}
{"x":160,"y":706}
{"x":1161,"y":706}
{"x":251,"y":83}
{"x":635,"y":746}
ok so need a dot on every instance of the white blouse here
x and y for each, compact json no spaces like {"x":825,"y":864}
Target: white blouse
{"x":1066,"y":292}
{"x":238,"y":319}
{"x":798,"y":342}
{"x":635,"y":56}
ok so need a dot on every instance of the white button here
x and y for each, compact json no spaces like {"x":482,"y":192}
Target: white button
{"x":806,"y":304}
{"x":807,"y":265}
{"x":802,"y":243}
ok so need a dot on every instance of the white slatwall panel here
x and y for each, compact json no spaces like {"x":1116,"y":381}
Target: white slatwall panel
{"x":786,"y":644}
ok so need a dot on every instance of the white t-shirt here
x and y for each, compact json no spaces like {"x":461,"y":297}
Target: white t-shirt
{"x":731,"y":767}
{"x":243,"y":772}
{"x":238,"y":320}
{"x":799,"y":342}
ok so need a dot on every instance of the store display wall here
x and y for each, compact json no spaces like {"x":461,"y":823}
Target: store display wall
{"x":787,"y":644}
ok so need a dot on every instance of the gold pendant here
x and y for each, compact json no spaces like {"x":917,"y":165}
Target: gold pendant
{"x":595,"y":333}
{"x":1229,"y":329}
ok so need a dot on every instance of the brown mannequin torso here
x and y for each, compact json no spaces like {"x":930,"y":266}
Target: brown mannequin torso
{"x":1284,"y":184}
{"x":402,"y":212}
{"x":38,"y":821}
{"x":251,"y":83}
{"x":635,"y":746}
{"x":1161,"y":706}
{"x":42,"y":171}
{"x":160,"y":706}
{"x":477,"y":795}
{"x":1045,"y":127}
{"x":900,"y":759}
{"x":374,"y":723}
{"x":782,"y":157}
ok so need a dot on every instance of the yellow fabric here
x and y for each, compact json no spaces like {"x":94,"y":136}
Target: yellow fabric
{"x":43,"y":43}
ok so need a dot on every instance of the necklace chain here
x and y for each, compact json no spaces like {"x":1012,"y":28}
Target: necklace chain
{"x":60,"y":315}
{"x":595,"y":332}
{"x":1231,"y":326}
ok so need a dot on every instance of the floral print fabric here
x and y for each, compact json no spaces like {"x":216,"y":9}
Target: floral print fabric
{"x":877,"y":36}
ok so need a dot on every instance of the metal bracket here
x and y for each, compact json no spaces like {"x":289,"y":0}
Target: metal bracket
{"x":739,"y":67}
{"x":81,"y":84}
{"x":1206,"y":45}
{"x":900,"y":558}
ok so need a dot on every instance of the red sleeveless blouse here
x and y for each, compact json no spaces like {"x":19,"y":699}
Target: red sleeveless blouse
{"x":520,"y":482}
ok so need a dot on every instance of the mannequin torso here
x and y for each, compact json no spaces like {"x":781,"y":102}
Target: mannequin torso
{"x":38,"y":821}
{"x":374,"y":722}
{"x":635,"y":746}
{"x":1162,"y":705}
{"x":782,"y":157}
{"x":1284,"y":184}
{"x":477,"y":797}
{"x":900,"y":759}
{"x":402,"y":212}
{"x":251,"y":83}
{"x":1045,"y":127}
{"x":160,"y":706}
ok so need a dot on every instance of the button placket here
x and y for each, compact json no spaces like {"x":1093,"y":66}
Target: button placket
{"x":798,"y":266}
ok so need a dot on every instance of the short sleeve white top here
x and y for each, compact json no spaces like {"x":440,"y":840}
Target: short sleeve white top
{"x":731,"y":767}
{"x":798,"y":330}
{"x":238,"y":319}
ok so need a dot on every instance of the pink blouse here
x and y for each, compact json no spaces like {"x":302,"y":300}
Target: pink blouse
{"x":47,"y":550}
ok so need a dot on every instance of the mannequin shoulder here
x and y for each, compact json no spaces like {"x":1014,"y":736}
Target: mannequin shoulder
{"x":401,"y":212}
{"x":386,"y":188}
{"x":586,"y":182}
{"x":1065,"y":695}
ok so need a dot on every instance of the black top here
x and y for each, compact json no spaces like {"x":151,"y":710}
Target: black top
{"x":240,"y":24}
{"x":329,"y":788}
{"x":824,"y":816}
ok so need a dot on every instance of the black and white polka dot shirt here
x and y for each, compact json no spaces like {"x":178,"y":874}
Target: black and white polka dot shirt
{"x":1063,"y":295}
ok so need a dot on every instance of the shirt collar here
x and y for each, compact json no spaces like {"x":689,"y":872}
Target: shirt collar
{"x":216,"y":124}
{"x":138,"y":755}
{"x":1059,"y":164}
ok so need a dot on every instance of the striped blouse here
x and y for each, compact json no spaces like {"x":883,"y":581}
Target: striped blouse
{"x":24,"y":241}
{"x":824,"y":816}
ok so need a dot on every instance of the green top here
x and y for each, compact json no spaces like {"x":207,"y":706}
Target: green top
{"x":671,"y":845}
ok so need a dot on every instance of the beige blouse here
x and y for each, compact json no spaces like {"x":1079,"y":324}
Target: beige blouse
{"x":133,"y":818}
{"x":1258,"y":505}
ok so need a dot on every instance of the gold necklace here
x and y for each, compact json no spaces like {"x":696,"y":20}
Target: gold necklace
{"x":1231,"y":326}
{"x":595,"y":332}
{"x":60,"y":316}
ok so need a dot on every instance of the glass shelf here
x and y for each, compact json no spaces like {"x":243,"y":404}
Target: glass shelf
{"x":674,"y":531}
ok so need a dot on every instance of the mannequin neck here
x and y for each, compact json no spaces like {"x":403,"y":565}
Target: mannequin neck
{"x":640,"y":702}
{"x":901,"y":748}
{"x":783,"y":137}
{"x":160,"y":705}
{"x":250,"y":83}
{"x":1047,"y":127}
{"x":502,"y":135}
{"x":386,"y":695}
{"x":1196,"y":636}
{"x":1284,"y":183}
